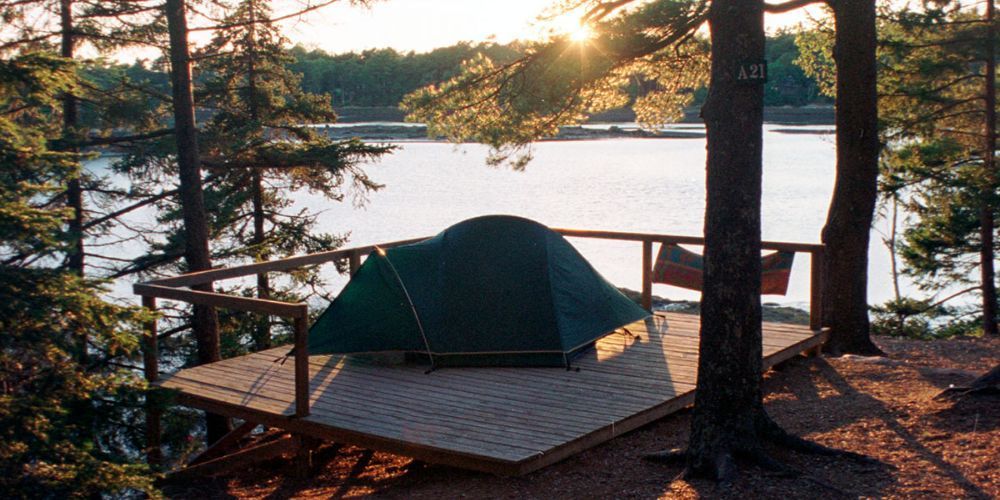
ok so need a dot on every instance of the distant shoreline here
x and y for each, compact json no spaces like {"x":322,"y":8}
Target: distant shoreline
{"x":384,"y":124}
{"x":391,"y":132}
{"x":418,"y":132}
{"x":784,"y":115}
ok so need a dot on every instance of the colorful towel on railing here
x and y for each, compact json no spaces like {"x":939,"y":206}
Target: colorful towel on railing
{"x":679,"y":267}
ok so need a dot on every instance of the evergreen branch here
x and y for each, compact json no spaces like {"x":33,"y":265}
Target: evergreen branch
{"x":106,"y":257}
{"x":942,"y":43}
{"x":938,"y":89}
{"x":107,"y":141}
{"x":145,"y":202}
{"x":149,"y":263}
{"x":119,"y":15}
{"x":173,"y":331}
{"x":28,"y":41}
{"x":123,"y":39}
{"x":305,"y":10}
{"x":603,"y":9}
{"x":790,"y":5}
{"x":131,"y":86}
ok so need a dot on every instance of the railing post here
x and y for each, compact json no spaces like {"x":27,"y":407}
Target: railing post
{"x":816,"y":287}
{"x":302,"y":363}
{"x":647,"y":275}
{"x":354,"y":261}
{"x":151,"y":369}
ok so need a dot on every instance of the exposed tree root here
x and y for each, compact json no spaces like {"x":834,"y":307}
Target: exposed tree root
{"x":758,"y":456}
{"x":725,"y":469}
{"x":961,"y":392}
{"x":780,"y":469}
{"x":987,"y":384}
{"x":676,"y":456}
{"x":768,"y":429}
{"x":721,"y":465}
{"x":865,"y":349}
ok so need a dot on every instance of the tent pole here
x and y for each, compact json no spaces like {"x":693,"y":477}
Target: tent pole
{"x":413,"y":308}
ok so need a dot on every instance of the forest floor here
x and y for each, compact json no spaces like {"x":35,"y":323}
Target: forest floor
{"x":881,"y":407}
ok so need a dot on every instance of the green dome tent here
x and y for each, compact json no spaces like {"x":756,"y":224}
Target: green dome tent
{"x":489,"y":291}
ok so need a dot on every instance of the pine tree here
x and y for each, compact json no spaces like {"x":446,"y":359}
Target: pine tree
{"x":933,"y":106}
{"x":262,"y":147}
{"x":939,"y":98}
{"x":56,"y":407}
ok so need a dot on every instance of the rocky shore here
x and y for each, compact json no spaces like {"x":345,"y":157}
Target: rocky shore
{"x":385,"y":124}
{"x":416,"y":132}
{"x":770,"y":311}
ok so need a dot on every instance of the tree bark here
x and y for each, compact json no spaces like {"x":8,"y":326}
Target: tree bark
{"x":263,"y":333}
{"x":989,"y":380}
{"x":852,"y":208}
{"x":70,"y":121}
{"x":729,"y":365}
{"x":987,"y":275}
{"x":729,"y":420}
{"x":986,"y":218}
{"x":196,"y":235}
{"x":74,"y":188}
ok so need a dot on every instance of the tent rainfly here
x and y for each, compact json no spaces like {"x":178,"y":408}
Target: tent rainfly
{"x":489,"y":291}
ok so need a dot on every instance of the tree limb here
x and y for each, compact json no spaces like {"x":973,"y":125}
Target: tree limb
{"x":107,"y":141}
{"x":790,"y":5}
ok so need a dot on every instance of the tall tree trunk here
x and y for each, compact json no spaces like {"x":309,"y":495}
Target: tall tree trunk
{"x":263,"y":334}
{"x":74,"y":188}
{"x":894,"y":249}
{"x":852,"y":208}
{"x":987,"y":275}
{"x":196,"y":236}
{"x":729,"y":420}
{"x":986,"y":217}
{"x":729,"y":364}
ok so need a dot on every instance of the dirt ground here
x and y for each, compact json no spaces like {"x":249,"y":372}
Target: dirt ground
{"x":881,"y":407}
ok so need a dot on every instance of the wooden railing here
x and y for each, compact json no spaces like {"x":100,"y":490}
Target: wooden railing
{"x":176,"y":288}
{"x":816,"y":278}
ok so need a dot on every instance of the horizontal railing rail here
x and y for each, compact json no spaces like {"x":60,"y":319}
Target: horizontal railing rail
{"x":224,"y":273}
{"x":177,"y":288}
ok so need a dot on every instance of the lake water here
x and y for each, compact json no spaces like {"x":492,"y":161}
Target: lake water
{"x":642,"y":185}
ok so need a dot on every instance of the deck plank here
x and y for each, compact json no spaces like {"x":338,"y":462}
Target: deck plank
{"x":501,"y":420}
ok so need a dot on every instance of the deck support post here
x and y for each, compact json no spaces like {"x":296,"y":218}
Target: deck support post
{"x":151,"y":369}
{"x":302,"y":363}
{"x":816,"y":287}
{"x":647,"y":275}
{"x":304,"y":455}
{"x":235,"y":460}
{"x":354,"y":262}
{"x":224,"y":444}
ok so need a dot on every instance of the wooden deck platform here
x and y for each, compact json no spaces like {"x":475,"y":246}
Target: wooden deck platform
{"x":507,"y":421}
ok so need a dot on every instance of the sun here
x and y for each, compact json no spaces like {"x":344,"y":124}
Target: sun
{"x":571,"y":26}
{"x":581,"y":33}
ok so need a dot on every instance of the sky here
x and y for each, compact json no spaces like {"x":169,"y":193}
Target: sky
{"x":422,"y":25}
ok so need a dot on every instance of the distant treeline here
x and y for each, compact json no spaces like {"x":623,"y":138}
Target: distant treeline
{"x":379,"y":78}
